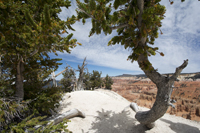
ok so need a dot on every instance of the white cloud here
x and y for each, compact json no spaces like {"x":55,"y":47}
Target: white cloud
{"x":98,"y":53}
{"x":175,"y":50}
{"x":182,"y":16}
{"x":179,"y":42}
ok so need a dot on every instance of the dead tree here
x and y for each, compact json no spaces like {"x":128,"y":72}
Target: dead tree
{"x":81,"y":75}
{"x":66,"y":115}
{"x":53,"y":78}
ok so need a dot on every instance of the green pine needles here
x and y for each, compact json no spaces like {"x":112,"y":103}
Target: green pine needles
{"x":125,"y":17}
{"x":108,"y":82}
{"x":29,"y":32}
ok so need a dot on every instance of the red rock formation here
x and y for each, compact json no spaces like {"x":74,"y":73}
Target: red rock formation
{"x":143,"y":92}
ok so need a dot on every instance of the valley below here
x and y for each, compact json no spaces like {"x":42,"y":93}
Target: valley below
{"x":142,"y":91}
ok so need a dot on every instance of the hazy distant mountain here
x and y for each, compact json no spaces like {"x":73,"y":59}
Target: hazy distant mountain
{"x":194,"y":76}
{"x":130,"y":75}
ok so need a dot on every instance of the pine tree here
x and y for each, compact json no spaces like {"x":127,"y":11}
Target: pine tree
{"x":137,"y":23}
{"x":95,"y":79}
{"x":108,"y":82}
{"x":29,"y":31}
{"x":86,"y":80}
{"x":68,"y":79}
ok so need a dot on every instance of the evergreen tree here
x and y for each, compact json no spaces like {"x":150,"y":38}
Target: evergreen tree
{"x":108,"y":82}
{"x":68,"y":80}
{"x":137,"y":23}
{"x":95,"y":79}
{"x":29,"y":30}
{"x":86,"y":80}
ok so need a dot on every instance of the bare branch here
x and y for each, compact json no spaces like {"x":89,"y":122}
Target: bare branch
{"x":178,"y":70}
{"x":88,"y":14}
{"x":83,"y":65}
{"x":61,"y":72}
{"x":119,"y":26}
{"x":34,"y":52}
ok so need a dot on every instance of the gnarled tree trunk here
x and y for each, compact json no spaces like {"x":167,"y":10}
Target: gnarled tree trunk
{"x":142,"y":28}
{"x":80,"y":79}
{"x":164,"y":84}
{"x":53,"y":78}
{"x":19,"y":93}
{"x":163,"y":101}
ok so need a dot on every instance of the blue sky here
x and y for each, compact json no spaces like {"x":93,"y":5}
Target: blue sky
{"x":180,"y":41}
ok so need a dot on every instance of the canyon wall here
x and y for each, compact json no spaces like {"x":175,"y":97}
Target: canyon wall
{"x":142,"y":91}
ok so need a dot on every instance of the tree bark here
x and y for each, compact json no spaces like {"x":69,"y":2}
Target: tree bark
{"x":164,"y":84}
{"x":0,"y":66}
{"x":80,"y":79}
{"x":19,"y":80}
{"x":163,"y":101}
{"x":55,"y":77}
{"x":67,"y":115}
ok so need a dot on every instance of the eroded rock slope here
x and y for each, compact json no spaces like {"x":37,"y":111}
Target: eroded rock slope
{"x":142,"y":91}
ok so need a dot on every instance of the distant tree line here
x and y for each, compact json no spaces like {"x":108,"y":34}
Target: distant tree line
{"x":87,"y":81}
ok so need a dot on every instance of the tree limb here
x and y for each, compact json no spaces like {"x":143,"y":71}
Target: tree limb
{"x":140,"y":4}
{"x":88,"y":14}
{"x":49,"y":80}
{"x":155,"y":76}
{"x":119,"y":26}
{"x":113,"y":28}
{"x":134,"y":107}
{"x":163,"y":101}
{"x":61,"y":72}
{"x":34,"y":52}
{"x":67,"y":115}
{"x":178,"y":70}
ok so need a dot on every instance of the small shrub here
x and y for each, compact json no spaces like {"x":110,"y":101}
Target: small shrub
{"x":36,"y":125}
{"x":15,"y":115}
{"x":47,"y":101}
{"x":12,"y":110}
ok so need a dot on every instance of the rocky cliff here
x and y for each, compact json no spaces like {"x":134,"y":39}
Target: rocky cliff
{"x":142,"y":91}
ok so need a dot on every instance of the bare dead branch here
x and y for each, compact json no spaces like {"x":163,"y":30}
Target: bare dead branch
{"x":179,"y":70}
{"x":61,"y":72}
{"x":34,"y":52}
{"x":119,"y":26}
